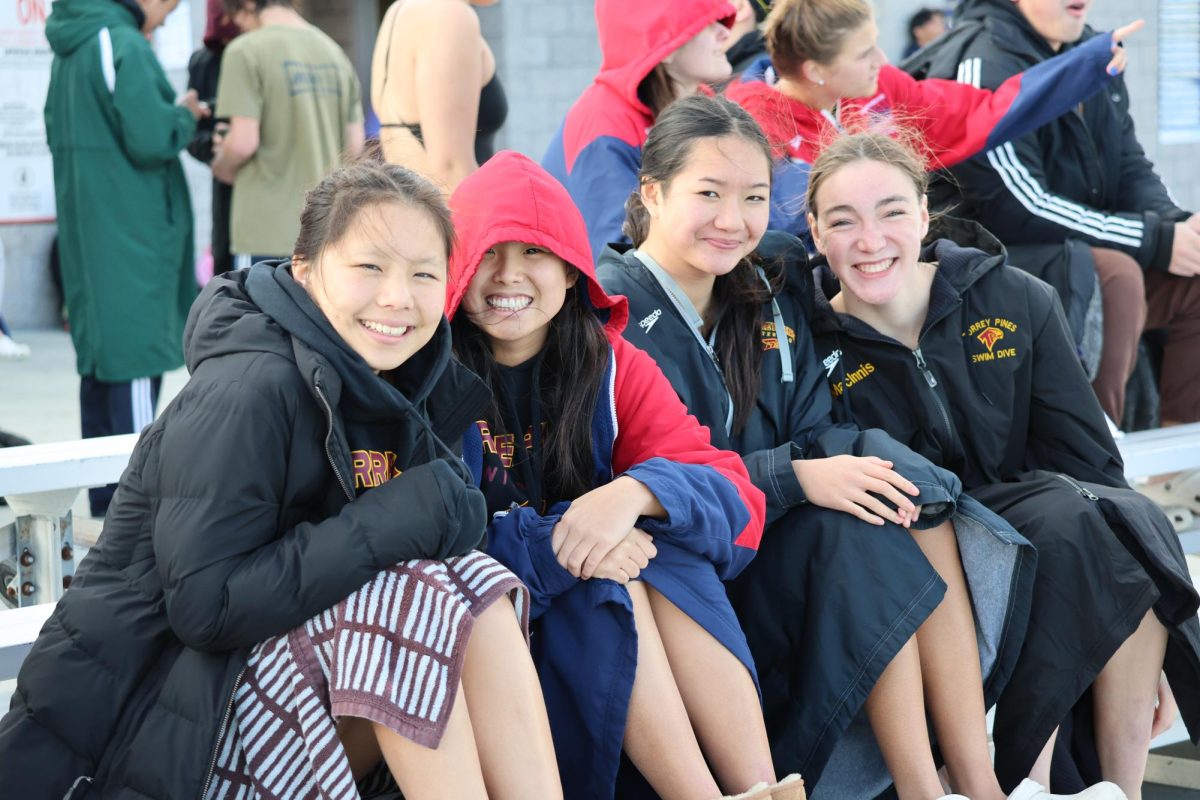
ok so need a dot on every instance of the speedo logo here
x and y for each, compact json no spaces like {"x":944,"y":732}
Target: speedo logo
{"x":831,"y":361}
{"x":648,"y":321}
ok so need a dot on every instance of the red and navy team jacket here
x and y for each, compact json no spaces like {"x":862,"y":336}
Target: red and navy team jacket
{"x":953,"y":120}
{"x":585,"y":643}
{"x":597,"y":152}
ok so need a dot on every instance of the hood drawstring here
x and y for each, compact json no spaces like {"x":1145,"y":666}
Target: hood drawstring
{"x":688,"y":311}
{"x":785,"y":349}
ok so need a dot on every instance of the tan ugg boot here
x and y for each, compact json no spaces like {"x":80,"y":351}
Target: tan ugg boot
{"x":790,"y":788}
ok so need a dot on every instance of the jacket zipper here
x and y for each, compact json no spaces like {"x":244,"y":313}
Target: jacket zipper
{"x":1082,"y":490}
{"x":329,"y":435}
{"x":212,"y":764}
{"x":932,"y":381}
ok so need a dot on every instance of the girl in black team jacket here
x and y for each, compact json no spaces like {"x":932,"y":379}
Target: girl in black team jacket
{"x":250,"y":623}
{"x":969,"y":363}
{"x":846,"y":610}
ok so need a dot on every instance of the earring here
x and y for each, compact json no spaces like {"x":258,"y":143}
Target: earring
{"x":820,"y":81}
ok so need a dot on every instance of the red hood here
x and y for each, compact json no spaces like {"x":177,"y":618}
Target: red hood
{"x":635,"y":35}
{"x":512,"y":199}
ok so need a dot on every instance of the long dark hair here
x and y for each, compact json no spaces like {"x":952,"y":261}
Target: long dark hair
{"x":573,"y":363}
{"x":738,"y":296}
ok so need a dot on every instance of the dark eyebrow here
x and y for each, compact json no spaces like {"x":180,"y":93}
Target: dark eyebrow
{"x":719,"y":182}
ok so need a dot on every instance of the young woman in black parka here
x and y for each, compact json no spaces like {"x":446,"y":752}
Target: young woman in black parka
{"x":285,"y":600}
{"x":858,"y":607}
{"x":972,"y":366}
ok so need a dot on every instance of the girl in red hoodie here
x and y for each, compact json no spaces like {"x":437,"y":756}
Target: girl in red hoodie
{"x":608,"y":500}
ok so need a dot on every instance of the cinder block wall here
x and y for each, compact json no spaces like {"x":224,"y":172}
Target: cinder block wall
{"x":547,"y":53}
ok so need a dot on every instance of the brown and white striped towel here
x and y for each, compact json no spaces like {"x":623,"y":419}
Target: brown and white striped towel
{"x":392,"y":652}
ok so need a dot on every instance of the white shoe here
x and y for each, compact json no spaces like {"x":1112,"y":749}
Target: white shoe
{"x":1032,"y":790}
{"x":1179,"y":490}
{"x":11,"y":349}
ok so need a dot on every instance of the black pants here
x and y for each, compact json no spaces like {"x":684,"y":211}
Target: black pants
{"x":109,"y":409}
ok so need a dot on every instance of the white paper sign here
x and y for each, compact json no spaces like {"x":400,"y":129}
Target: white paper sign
{"x":26,"y":174}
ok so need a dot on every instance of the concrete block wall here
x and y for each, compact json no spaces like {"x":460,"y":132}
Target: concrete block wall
{"x":547,"y":53}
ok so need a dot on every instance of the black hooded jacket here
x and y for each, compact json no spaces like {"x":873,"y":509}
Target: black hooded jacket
{"x":791,"y":418}
{"x":1083,"y":176}
{"x":236,"y":520}
{"x":994,"y":388}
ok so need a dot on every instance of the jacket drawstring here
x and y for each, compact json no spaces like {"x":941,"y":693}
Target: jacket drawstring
{"x":785,"y":348}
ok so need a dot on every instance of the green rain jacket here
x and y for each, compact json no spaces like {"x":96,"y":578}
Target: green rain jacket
{"x":124,"y":216}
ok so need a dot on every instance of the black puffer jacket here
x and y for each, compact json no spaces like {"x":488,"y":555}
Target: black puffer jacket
{"x":235,"y":521}
{"x":1084,"y":176}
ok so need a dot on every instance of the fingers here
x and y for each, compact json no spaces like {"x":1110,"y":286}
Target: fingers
{"x":1118,"y":63}
{"x":856,"y":510}
{"x":1123,"y":32}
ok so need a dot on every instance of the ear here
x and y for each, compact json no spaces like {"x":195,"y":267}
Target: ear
{"x":301,"y":270}
{"x":816,"y":237}
{"x":811,"y":71}
{"x":924,"y":216}
{"x":652,"y":197}
{"x":572,"y":276}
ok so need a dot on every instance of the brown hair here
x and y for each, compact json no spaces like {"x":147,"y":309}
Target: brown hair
{"x":740,"y":293}
{"x":811,"y":30}
{"x":867,"y":146}
{"x":657,"y":90}
{"x":333,"y":204}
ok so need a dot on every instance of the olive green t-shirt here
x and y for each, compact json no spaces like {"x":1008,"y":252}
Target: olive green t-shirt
{"x":300,"y":87}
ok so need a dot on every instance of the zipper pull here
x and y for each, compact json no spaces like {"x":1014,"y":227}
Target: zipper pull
{"x":932,"y":381}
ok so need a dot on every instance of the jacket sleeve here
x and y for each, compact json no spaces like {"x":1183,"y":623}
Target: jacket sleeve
{"x":152,"y":129}
{"x":959,"y":119}
{"x":520,"y":539}
{"x":600,"y":181}
{"x":815,"y":434}
{"x":712,"y":507}
{"x":231,"y":575}
{"x":200,"y":146}
{"x":1067,"y":430}
{"x":1008,"y":187}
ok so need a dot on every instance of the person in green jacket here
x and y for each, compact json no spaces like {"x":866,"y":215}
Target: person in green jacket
{"x":124,"y":215}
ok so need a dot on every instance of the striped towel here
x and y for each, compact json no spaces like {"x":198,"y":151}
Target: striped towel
{"x":392,"y":652}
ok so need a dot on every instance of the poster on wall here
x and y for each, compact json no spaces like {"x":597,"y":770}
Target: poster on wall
{"x":26,"y":175}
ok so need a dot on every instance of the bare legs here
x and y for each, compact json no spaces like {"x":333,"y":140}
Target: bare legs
{"x":1124,"y":695}
{"x":497,"y":741}
{"x":939,"y":666}
{"x":691,"y":699}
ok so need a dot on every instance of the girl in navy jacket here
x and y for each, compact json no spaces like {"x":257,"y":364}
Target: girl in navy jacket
{"x":608,"y":500}
{"x":973,"y":368}
{"x":859,"y":606}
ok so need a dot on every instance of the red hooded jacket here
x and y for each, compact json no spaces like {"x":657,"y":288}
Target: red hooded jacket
{"x":598,"y":150}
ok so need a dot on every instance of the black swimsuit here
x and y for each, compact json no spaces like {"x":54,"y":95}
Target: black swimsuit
{"x":493,"y":110}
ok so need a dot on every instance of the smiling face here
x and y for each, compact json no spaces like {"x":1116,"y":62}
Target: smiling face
{"x":712,"y":213}
{"x":702,"y":58}
{"x":383,"y":284}
{"x":854,"y":72}
{"x":1057,"y":21}
{"x":869,"y":224}
{"x":515,"y":293}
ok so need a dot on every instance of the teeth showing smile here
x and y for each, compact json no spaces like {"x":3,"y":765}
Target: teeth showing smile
{"x":386,"y":330}
{"x":874,"y":266}
{"x":509,"y":303}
